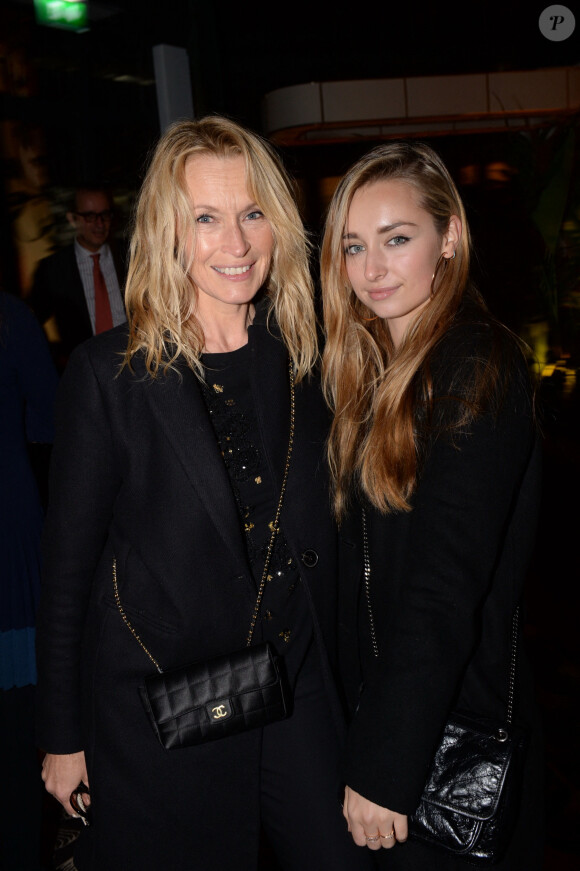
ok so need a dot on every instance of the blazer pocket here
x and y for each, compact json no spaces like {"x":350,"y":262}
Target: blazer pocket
{"x":140,"y":616}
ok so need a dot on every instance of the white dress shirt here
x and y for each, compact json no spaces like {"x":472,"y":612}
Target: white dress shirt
{"x":85,"y":264}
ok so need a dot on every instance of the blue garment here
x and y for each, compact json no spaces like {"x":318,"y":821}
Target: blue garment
{"x":27,"y":388}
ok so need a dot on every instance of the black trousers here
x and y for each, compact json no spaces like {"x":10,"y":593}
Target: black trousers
{"x":299,"y":787}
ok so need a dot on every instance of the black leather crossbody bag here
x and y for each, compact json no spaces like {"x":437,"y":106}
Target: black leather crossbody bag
{"x":471,"y":797}
{"x":228,"y":694}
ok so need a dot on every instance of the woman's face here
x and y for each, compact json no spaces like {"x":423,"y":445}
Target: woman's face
{"x":233,"y":241}
{"x":391,"y":249}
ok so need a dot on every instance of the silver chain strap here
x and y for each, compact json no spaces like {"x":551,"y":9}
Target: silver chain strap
{"x":367,"y":576}
{"x":513,"y":660}
{"x":275,"y":531}
{"x":502,"y":734}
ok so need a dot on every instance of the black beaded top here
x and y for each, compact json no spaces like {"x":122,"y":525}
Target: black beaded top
{"x":284,"y":614}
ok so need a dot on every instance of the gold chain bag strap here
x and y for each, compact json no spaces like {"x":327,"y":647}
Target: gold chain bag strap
{"x":227,"y":694}
{"x":470,"y":800}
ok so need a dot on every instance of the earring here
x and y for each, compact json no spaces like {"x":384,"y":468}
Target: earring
{"x":450,"y":258}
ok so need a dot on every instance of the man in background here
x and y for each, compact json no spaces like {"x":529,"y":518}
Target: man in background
{"x":77,"y":292}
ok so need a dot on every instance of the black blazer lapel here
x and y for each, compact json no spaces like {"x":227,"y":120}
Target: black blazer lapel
{"x":178,"y":406}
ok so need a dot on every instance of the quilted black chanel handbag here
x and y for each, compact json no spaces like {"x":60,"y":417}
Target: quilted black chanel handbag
{"x":471,"y":797}
{"x":227,"y":694}
{"x":217,"y":697}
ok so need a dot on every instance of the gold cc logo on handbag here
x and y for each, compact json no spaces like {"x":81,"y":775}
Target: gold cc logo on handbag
{"x":219,"y":712}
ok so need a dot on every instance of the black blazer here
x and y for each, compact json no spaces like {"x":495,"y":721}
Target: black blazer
{"x":137,"y":474}
{"x":57,"y":292}
{"x":445,"y":581}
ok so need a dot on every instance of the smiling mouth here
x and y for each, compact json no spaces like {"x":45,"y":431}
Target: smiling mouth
{"x":233,"y":270}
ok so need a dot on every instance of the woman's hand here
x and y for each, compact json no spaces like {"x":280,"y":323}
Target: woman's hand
{"x":370,"y":824}
{"x":62,"y":773}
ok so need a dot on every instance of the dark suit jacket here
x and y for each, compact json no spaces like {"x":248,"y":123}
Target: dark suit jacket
{"x":57,"y":291}
{"x":137,"y":474}
{"x":445,"y":581}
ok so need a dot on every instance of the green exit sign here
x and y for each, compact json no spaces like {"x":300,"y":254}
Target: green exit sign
{"x":70,"y":14}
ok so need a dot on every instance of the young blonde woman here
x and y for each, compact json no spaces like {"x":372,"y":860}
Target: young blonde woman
{"x":434,"y":461}
{"x":171,"y":449}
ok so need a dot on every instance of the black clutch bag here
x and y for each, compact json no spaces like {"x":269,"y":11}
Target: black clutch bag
{"x":471,"y":798}
{"x":227,"y":694}
{"x":217,"y":697}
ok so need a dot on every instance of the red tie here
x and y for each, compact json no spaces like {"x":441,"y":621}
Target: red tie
{"x":103,"y":316}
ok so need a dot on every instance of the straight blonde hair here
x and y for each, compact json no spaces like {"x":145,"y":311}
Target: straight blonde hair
{"x":374,"y":389}
{"x":160,"y":296}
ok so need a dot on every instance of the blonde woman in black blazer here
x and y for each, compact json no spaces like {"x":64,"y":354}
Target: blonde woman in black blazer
{"x":434,"y":439}
{"x":170,"y":451}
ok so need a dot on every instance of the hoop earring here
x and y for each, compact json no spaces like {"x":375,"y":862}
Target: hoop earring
{"x":449,"y":258}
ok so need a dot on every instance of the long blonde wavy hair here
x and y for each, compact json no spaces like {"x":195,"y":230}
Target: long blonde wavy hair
{"x":160,"y":296}
{"x":372,"y":387}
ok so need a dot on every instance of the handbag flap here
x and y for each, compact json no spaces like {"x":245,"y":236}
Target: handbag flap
{"x":179,"y":691}
{"x":469,"y":770}
{"x":218,"y":697}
